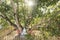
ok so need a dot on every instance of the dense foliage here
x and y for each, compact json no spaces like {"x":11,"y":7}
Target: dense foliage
{"x":44,"y":15}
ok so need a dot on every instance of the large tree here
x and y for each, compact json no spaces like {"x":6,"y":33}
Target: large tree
{"x":19,"y":13}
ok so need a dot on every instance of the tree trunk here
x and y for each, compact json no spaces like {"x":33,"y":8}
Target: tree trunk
{"x":16,"y":14}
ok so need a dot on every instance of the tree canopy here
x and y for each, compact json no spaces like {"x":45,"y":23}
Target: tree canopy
{"x":39,"y":14}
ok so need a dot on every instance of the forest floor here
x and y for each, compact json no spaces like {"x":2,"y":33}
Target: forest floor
{"x":9,"y":34}
{"x":6,"y":35}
